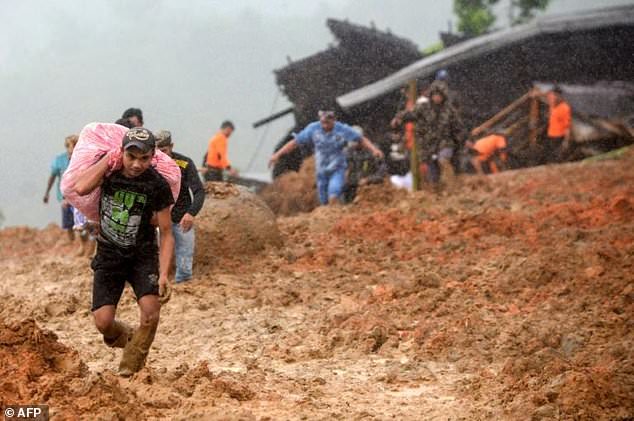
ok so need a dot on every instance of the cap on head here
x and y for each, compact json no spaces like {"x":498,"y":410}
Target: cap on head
{"x":163,"y":138}
{"x":326,"y":115}
{"x":140,"y":138}
{"x":442,"y":74}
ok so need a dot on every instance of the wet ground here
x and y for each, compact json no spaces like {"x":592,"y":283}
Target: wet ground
{"x":511,"y":298}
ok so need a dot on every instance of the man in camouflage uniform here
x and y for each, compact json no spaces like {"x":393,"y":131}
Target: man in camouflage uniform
{"x":438,"y":132}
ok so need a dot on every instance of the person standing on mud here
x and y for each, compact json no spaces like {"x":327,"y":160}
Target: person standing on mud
{"x":190,"y":201}
{"x":329,"y":137}
{"x":438,"y":133}
{"x":217,"y":159}
{"x":127,"y":246}
{"x":58,"y":166}
{"x":559,"y":120}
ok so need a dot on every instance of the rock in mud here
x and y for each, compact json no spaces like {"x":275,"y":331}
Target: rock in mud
{"x":233,"y":222}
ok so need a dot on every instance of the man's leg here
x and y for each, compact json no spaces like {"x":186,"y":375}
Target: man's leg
{"x":137,"y":349}
{"x":68,"y":222}
{"x":144,"y":281}
{"x":322,"y":188}
{"x":108,"y":284}
{"x":336,"y":182}
{"x":433,"y":172}
{"x":477,"y":165}
{"x":446,"y":166}
{"x":183,"y":252}
{"x":116,"y":334}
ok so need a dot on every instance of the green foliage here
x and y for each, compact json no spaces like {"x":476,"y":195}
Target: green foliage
{"x":434,"y":48}
{"x":1,"y":218}
{"x":475,"y":17}
{"x":526,"y":9}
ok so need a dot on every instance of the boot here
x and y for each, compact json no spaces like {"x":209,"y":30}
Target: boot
{"x":136,"y":350}
{"x":447,"y":173}
{"x":122,"y":334}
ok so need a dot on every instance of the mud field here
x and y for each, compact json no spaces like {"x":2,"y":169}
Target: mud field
{"x":510,"y":299}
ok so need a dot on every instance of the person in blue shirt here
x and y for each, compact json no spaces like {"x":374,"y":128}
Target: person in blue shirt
{"x":58,"y":166}
{"x":329,"y":139}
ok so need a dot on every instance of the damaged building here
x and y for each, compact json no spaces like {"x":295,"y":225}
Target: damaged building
{"x":360,"y":56}
{"x":363,"y":76}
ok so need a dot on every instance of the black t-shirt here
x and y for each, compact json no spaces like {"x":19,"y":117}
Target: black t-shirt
{"x":190,"y":186}
{"x":126,"y":208}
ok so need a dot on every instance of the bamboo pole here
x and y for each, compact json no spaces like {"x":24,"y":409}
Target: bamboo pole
{"x":501,"y":115}
{"x":414,"y":164}
{"x":533,"y":120}
{"x":513,"y":127}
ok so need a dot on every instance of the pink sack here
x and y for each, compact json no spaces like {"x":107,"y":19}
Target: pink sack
{"x":95,"y":140}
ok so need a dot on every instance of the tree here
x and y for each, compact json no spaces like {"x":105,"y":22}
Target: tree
{"x":476,"y":17}
{"x":527,"y":10}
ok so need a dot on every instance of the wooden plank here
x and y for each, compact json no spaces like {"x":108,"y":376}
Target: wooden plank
{"x":501,"y":115}
{"x":412,"y":94}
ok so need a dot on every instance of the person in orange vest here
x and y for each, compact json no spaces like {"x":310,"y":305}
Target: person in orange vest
{"x":559,"y":120}
{"x":217,"y":161}
{"x":486,"y":151}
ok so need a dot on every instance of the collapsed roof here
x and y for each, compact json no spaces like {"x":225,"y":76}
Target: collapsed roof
{"x":361,"y":56}
{"x":492,"y":70}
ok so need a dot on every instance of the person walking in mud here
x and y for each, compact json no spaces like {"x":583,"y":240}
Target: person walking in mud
{"x":439,"y":131}
{"x":127,"y":246}
{"x":559,"y":121}
{"x":58,"y":167}
{"x":190,"y":201}
{"x":329,"y":137}
{"x":217,"y":158}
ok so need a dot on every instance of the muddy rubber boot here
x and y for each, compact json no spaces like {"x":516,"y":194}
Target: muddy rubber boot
{"x":123,"y":333}
{"x":135,"y":352}
{"x":447,"y":173}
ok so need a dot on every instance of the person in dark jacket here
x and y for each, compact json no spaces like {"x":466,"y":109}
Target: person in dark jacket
{"x":190,"y":202}
{"x":439,"y":132}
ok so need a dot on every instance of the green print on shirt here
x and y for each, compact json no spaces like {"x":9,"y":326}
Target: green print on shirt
{"x":123,"y":202}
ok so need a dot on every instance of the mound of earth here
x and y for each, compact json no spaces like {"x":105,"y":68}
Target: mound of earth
{"x":233,"y":222}
{"x":36,"y":368}
{"x":510,"y":298}
{"x":293,"y":192}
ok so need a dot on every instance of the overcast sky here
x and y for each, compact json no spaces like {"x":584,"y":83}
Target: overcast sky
{"x":187,"y":64}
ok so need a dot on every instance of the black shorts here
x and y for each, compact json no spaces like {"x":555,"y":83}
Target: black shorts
{"x":112,"y":268}
{"x":68,"y":220}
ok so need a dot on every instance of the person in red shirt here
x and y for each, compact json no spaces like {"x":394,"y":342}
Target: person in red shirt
{"x":559,"y":121}
{"x":217,"y":161}
{"x":486,"y":151}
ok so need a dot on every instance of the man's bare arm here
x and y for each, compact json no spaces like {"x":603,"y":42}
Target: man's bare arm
{"x":92,"y":177}
{"x":51,"y":181}
{"x":289,"y":147}
{"x":166,"y":249}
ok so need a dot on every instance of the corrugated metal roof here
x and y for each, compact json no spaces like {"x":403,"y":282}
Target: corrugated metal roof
{"x":577,"y":22}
